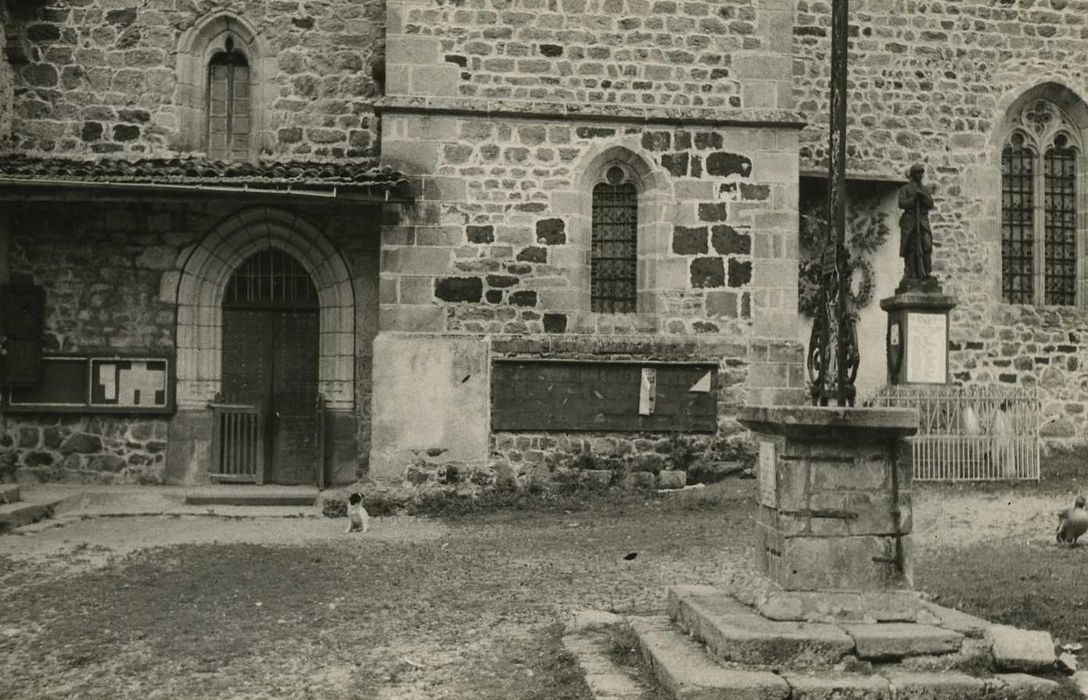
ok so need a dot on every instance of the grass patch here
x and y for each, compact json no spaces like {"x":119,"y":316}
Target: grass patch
{"x":622,"y":646}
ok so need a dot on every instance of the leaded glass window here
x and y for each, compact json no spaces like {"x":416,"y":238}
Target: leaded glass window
{"x":614,"y":250}
{"x":1060,"y":222}
{"x":1039,"y":237}
{"x":1017,"y":217}
{"x":228,"y":115}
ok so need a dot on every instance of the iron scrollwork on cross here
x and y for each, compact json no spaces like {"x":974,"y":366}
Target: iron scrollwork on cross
{"x":828,"y":330}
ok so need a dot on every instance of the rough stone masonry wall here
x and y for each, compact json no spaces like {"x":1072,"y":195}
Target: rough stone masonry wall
{"x":5,"y":82}
{"x":99,"y":76}
{"x":689,"y":56}
{"x":498,"y":243}
{"x":103,"y":268}
{"x":931,"y":81}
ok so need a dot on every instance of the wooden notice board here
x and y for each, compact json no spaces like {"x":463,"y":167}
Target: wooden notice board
{"x":556,"y":395}
{"x":85,"y":384}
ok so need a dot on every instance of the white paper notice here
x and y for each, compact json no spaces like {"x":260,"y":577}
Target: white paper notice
{"x":107,"y":377}
{"x":647,"y":391}
{"x":927,"y":348}
{"x":767,"y":478}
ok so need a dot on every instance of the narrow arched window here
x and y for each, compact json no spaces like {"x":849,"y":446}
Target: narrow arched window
{"x":1039,"y":228}
{"x":614,"y":249}
{"x":1017,"y":222}
{"x":227,"y":105}
{"x":1060,"y":222}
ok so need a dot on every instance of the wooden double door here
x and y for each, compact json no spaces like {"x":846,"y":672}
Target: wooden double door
{"x":270,"y":360}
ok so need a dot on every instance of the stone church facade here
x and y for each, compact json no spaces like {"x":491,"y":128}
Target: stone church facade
{"x":467,"y":243}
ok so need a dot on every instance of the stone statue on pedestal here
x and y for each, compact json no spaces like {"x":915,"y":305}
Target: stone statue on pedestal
{"x":915,"y":234}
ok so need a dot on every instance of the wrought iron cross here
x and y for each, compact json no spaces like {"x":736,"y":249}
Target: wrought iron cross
{"x":833,"y":348}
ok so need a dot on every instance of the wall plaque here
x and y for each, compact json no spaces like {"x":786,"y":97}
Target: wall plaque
{"x":768,"y":480}
{"x":927,"y":348}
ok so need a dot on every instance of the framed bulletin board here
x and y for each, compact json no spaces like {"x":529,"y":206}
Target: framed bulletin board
{"x":88,"y":384}
{"x":558,"y":395}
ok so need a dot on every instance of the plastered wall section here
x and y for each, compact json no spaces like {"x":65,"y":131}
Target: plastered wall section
{"x":434,"y":403}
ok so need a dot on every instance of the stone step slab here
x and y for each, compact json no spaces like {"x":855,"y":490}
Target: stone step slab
{"x":686,"y":672}
{"x":952,"y":619}
{"x":896,"y":640}
{"x":1015,"y":649}
{"x":1021,"y":686}
{"x":9,"y":493}
{"x":15,"y":515}
{"x":733,"y":632}
{"x":837,"y":686}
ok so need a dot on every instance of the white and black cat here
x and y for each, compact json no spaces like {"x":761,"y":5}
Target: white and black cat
{"x":358,"y":518}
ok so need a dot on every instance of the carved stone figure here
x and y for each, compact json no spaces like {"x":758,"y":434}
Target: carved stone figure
{"x":915,"y":235}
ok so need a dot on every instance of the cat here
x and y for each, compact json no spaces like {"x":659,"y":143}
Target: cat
{"x":358,"y":518}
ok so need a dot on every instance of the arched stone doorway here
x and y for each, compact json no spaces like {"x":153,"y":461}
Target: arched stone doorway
{"x":205,"y":274}
{"x":270,"y":359}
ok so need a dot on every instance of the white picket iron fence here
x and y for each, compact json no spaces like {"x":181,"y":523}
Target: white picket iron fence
{"x":970,"y":433}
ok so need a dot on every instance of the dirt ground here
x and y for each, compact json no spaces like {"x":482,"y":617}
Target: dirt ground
{"x":467,"y":607}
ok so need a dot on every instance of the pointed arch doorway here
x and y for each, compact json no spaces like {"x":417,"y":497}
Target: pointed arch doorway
{"x":270,"y":359}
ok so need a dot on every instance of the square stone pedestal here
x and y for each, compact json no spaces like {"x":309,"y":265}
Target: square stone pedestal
{"x":834,"y":517}
{"x":917,"y":341}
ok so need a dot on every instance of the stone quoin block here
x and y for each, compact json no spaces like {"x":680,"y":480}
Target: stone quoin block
{"x":707,"y":272}
{"x":551,"y":231}
{"x":723,"y":164}
{"x":480,"y":234}
{"x":740,"y":272}
{"x":717,"y":211}
{"x":689,"y":240}
{"x":459,"y":289}
{"x":675,"y":163}
{"x":728,"y":241}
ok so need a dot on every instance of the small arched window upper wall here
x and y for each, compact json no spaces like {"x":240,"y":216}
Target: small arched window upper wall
{"x":614,"y":245}
{"x":223,"y":68}
{"x":227,"y":105}
{"x":1042,"y":181}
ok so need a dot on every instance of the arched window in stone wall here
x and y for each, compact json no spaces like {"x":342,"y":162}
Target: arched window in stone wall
{"x":224,"y":70}
{"x":227,"y":112}
{"x":614,"y":246}
{"x":1040,"y":186}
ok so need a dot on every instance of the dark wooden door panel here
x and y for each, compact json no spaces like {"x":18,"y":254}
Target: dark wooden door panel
{"x":294,"y":392}
{"x":270,"y":359}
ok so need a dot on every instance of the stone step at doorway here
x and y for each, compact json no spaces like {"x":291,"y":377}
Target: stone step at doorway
{"x":251,"y":495}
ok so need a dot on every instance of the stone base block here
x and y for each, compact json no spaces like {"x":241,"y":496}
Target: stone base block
{"x":839,"y":606}
{"x":895,"y":640}
{"x":189,"y":451}
{"x":735,"y":632}
{"x":837,"y":686}
{"x":687,"y":673}
{"x":1021,"y":650}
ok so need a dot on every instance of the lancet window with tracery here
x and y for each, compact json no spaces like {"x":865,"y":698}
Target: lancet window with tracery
{"x":1039,"y":190}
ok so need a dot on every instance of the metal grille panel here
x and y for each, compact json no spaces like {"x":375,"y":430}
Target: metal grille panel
{"x":1060,"y":225}
{"x":1017,"y":212}
{"x":614,"y":255}
{"x":271,"y":279}
{"x":970,"y":433}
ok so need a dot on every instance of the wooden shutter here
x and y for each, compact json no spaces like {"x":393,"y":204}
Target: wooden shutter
{"x":22,"y":307}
